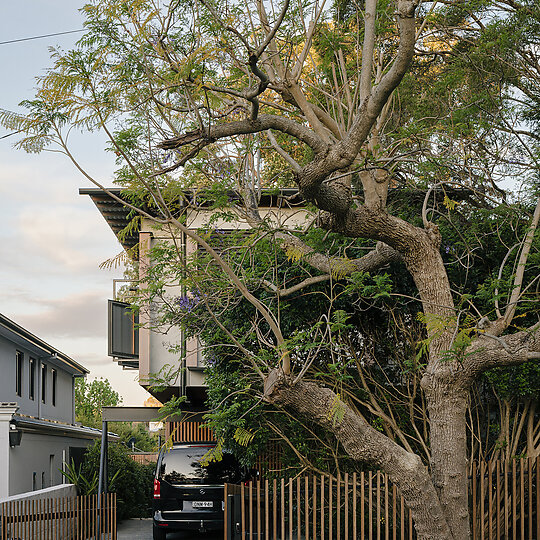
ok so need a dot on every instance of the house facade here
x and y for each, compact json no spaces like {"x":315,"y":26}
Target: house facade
{"x":137,"y":344}
{"x":38,"y":433}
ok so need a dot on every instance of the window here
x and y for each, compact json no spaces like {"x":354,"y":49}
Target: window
{"x":53,"y":397}
{"x":43,"y":383}
{"x":34,"y":481}
{"x":188,"y":466}
{"x":32,"y":378}
{"x":19,"y":373}
{"x":51,"y":469}
{"x":201,"y":360}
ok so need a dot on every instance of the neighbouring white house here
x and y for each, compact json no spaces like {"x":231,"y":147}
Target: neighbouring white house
{"x":38,"y":432}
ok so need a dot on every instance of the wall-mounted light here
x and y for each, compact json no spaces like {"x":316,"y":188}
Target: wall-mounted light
{"x":15,"y":436}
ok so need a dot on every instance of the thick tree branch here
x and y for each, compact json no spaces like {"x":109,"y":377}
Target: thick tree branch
{"x":380,"y":256}
{"x":367,"y":49}
{"x":488,"y":351}
{"x":365,"y":444}
{"x":343,"y":154}
{"x":272,"y":33}
{"x":247,"y":126}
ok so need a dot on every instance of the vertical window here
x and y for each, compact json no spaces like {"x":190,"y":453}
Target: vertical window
{"x":32,"y":378}
{"x":19,"y":373}
{"x":43,"y":485}
{"x":51,"y":469}
{"x":53,"y":396}
{"x":34,"y":481}
{"x":201,"y":360}
{"x":43,"y":383}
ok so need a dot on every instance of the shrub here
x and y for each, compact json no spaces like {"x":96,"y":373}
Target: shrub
{"x":131,"y":481}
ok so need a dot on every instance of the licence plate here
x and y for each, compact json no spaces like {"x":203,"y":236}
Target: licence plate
{"x":202,"y":504}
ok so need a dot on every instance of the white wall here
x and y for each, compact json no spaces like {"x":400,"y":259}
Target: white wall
{"x":7,"y":410}
{"x":41,"y":455}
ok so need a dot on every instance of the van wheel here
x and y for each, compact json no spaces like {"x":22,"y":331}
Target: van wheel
{"x":159,"y":534}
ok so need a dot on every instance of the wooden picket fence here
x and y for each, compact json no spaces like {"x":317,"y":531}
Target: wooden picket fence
{"x":144,"y":458}
{"x":504,"y":498}
{"x":74,"y":518}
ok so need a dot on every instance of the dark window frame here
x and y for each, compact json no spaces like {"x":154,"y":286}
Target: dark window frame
{"x":54,"y":382}
{"x":19,"y":361}
{"x":32,"y":378}
{"x":43,"y":383}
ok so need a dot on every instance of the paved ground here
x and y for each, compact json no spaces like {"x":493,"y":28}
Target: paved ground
{"x":141,"y":529}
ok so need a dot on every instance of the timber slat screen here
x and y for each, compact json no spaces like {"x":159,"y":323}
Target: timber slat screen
{"x":504,"y":498}
{"x":363,"y":505}
{"x":187,"y":432}
{"x":74,"y":518}
{"x":144,"y":458}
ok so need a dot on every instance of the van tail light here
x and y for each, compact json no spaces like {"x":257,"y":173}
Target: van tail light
{"x":157,"y":489}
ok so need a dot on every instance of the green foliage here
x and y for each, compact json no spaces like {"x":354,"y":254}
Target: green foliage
{"x":89,"y":400}
{"x":91,"y":397}
{"x":143,"y":440}
{"x":85,"y":485}
{"x":132,"y":482}
{"x":215,"y":454}
{"x":173,"y":407}
{"x":336,"y":414}
{"x":243,"y":436}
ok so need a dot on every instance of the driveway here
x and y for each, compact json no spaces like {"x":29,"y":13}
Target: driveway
{"x":141,"y":529}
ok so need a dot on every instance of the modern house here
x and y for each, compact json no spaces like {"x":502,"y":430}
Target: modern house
{"x":136,"y":344}
{"x":38,"y":433}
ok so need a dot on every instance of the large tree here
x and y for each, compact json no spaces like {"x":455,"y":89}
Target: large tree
{"x":346,"y":102}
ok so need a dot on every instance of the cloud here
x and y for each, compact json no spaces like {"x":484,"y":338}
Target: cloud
{"x":64,"y":235}
{"x":76,"y":316}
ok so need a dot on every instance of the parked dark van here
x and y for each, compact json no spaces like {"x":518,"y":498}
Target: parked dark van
{"x":189,"y":490}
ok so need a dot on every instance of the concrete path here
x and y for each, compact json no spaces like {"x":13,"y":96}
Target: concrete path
{"x":141,"y":529}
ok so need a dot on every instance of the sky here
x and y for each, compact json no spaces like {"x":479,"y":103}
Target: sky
{"x":52,"y":239}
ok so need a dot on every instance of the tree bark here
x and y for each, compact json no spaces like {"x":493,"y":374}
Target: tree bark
{"x":447,"y":407}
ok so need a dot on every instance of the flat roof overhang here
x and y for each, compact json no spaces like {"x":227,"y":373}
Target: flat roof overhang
{"x":118,"y":216}
{"x":148,"y":414}
{"x":33,"y":425}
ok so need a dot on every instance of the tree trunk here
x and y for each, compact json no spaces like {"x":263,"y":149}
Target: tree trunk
{"x":447,"y":406}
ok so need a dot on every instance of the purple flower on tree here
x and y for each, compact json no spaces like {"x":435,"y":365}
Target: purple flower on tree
{"x":187,"y":303}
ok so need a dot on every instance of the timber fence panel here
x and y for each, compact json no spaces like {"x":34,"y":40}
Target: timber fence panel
{"x":324,"y":507}
{"x":58,"y":518}
{"x":504,"y":505}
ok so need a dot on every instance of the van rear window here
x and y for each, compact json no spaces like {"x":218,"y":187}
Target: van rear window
{"x":183,"y":466}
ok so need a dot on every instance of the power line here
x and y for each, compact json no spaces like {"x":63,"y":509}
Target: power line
{"x":39,"y":37}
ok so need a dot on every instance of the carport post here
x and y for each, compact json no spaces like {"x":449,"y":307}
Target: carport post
{"x":102,"y":482}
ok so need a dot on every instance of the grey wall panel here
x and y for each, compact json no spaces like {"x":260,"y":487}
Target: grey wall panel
{"x":33,"y":456}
